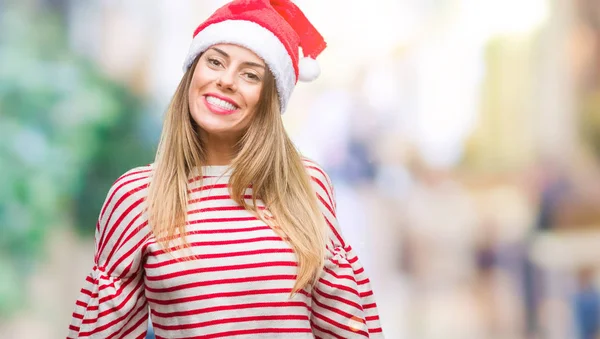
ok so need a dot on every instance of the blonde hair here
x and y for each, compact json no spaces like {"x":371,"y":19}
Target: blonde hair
{"x":265,"y":159}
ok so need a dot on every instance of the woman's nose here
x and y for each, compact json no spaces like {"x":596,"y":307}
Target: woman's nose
{"x":227,"y":81}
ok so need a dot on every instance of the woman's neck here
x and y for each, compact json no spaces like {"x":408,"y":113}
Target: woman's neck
{"x":217,"y":159}
{"x":219,"y":151}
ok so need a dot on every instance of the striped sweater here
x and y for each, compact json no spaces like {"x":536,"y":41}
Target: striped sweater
{"x":238,"y":283}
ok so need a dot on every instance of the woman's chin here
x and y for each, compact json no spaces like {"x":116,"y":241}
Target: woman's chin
{"x":221,"y":129}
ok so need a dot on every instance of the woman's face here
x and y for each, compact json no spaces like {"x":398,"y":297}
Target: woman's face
{"x":225,"y":90}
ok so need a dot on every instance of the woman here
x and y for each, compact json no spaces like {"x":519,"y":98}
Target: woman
{"x":230,"y":232}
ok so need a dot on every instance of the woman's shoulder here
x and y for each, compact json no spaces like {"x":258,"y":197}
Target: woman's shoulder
{"x":123,"y":213}
{"x":132,"y":182}
{"x":321,"y":183}
{"x":316,"y":171}
{"x":140,"y":173}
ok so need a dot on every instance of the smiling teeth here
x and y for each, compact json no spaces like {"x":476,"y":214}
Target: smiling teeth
{"x":221,"y":103}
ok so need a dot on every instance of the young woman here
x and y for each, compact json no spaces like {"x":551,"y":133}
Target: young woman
{"x":230,"y":233}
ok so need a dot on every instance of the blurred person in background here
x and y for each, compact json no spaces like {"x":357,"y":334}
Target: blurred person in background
{"x":230,"y":232}
{"x":586,"y":303}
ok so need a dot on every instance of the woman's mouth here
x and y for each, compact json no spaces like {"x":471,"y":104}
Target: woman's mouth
{"x":218,"y":105}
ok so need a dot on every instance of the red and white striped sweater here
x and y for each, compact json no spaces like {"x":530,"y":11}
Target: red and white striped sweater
{"x":238,"y":288}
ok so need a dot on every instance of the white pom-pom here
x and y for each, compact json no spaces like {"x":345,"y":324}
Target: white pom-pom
{"x":309,"y":69}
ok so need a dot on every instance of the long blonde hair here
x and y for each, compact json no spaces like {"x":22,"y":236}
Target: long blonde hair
{"x":266,"y":159}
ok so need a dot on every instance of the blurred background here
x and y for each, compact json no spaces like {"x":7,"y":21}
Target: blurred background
{"x":462,"y":136}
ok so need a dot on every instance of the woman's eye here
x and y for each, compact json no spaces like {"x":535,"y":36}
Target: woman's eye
{"x":252,"y":76}
{"x":214,"y":62}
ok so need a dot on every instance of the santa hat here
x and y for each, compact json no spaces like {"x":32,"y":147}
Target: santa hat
{"x":274,"y":30}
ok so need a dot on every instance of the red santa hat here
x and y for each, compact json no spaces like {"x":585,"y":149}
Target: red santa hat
{"x":274,"y":30}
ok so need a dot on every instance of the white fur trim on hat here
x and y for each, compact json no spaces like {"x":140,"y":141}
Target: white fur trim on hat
{"x":256,"y":38}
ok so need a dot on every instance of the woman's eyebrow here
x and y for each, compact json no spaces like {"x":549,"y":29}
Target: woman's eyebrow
{"x":249,"y":63}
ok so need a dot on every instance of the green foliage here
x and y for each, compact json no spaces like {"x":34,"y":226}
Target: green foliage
{"x":66,"y":133}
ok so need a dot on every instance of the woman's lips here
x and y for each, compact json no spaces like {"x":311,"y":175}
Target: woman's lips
{"x":218,"y":106}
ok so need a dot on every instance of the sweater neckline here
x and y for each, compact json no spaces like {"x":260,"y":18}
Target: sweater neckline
{"x":216,"y":171}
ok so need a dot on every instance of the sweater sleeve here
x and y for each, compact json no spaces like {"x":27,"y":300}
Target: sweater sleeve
{"x":112,"y":303}
{"x":343,"y":304}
